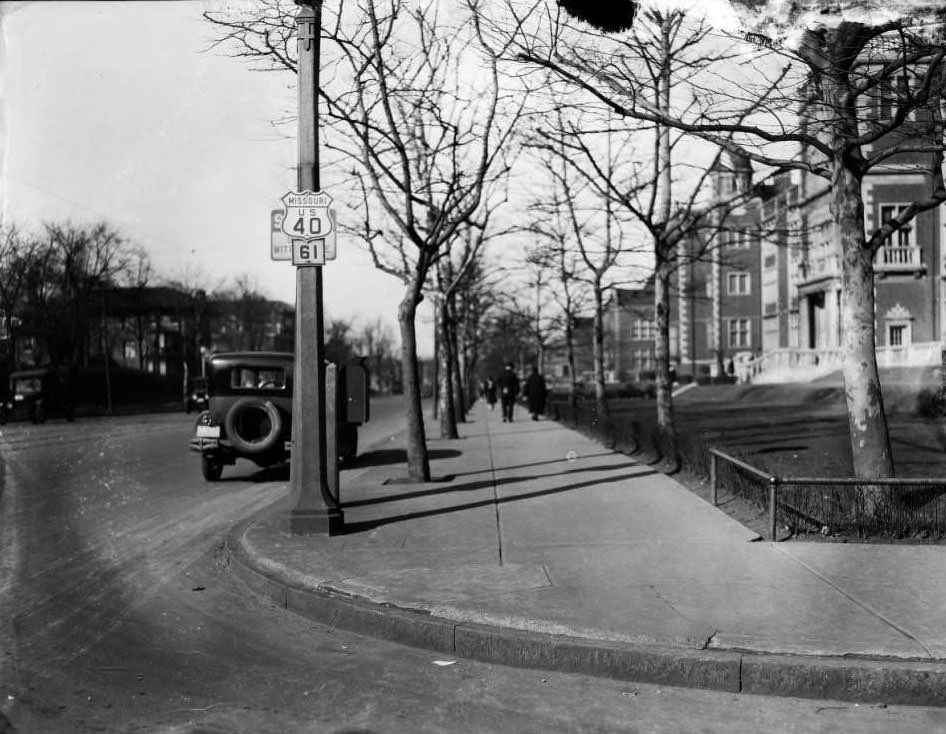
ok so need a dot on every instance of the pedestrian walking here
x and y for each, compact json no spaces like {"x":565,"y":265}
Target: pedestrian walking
{"x":536,"y":392}
{"x":508,"y":384}
{"x":489,"y":391}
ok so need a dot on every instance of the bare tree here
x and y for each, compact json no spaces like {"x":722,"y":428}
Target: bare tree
{"x":806,"y":102}
{"x":428,"y":147}
{"x":596,"y":232}
{"x":423,"y":122}
{"x":475,"y":295}
{"x":17,"y":253}
{"x":375,"y":342}
{"x":459,"y":276}
{"x":664,"y":190}
{"x":556,"y":259}
{"x":70,"y":265}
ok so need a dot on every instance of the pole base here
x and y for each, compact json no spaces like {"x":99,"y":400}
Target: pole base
{"x":329,"y":521}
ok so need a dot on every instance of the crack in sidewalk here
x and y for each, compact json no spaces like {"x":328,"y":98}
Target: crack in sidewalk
{"x":863,"y":605}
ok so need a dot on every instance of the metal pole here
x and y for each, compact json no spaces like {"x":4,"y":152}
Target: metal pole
{"x":713,"y":491}
{"x":773,"y":499}
{"x":314,"y":509}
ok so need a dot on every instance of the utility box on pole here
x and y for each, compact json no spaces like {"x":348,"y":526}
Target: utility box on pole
{"x":353,"y":392}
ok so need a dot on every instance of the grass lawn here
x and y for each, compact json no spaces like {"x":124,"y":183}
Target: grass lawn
{"x":796,"y":430}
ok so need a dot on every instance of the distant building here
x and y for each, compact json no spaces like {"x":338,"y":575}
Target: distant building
{"x":556,"y":354}
{"x":765,"y":290}
{"x":169,"y":332}
{"x":631,"y":331}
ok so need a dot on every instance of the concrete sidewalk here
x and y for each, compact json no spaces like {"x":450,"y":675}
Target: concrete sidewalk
{"x":535,"y":546}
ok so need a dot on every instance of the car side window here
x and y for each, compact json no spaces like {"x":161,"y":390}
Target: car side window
{"x":273,"y":379}
{"x":242,"y":377}
{"x":248,"y":378}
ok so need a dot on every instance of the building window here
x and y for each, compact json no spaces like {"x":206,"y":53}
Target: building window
{"x":738,"y":240}
{"x":891,"y":94}
{"x":643,"y":359}
{"x":903,"y":237}
{"x":897,"y":325}
{"x":643,"y":329}
{"x":886,"y":100}
{"x":897,"y":335}
{"x":739,"y":333}
{"x":737,"y":284}
{"x":769,"y":262}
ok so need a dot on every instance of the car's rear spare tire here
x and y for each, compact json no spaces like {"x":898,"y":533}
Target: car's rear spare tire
{"x":253,"y":426}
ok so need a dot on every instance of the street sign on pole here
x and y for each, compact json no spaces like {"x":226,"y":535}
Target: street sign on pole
{"x":307,"y":215}
{"x":280,"y":247}
{"x":308,"y":253}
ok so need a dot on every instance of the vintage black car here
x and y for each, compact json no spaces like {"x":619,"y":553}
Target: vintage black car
{"x":34,"y":395}
{"x":250,"y":410}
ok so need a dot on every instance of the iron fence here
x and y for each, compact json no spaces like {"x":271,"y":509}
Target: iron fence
{"x":892,"y":508}
{"x":881,"y":507}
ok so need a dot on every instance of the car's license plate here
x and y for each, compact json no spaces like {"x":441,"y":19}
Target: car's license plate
{"x":208,"y":431}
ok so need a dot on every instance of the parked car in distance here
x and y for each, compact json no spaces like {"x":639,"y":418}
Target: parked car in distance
{"x":196,"y":397}
{"x":249,"y":413}
{"x":34,"y":395}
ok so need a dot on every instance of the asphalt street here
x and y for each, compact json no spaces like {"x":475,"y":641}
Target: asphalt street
{"x":118,"y":614}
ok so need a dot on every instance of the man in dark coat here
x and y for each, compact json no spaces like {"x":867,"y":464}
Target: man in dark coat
{"x":508,"y":384}
{"x":536,"y":392}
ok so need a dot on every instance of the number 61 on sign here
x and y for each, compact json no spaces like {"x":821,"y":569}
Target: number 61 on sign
{"x":308,"y":252}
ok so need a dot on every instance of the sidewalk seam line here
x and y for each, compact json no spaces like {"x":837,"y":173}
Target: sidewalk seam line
{"x":492,"y":474}
{"x":863,"y":605}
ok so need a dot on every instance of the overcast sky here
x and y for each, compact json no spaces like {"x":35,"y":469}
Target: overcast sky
{"x":118,"y":112}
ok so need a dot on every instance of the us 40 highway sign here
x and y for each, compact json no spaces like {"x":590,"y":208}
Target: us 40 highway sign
{"x":310,"y":225}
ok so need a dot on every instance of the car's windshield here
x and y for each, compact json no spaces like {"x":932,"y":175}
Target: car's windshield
{"x":27,"y":386}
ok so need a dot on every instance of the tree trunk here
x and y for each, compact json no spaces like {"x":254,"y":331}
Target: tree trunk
{"x":666,"y":427}
{"x":418,"y":462}
{"x":570,"y":355}
{"x":446,"y":411}
{"x":456,"y":371}
{"x":601,"y":399}
{"x":664,"y":255}
{"x":867,"y":422}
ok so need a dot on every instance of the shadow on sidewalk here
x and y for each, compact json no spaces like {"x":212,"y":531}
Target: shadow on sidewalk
{"x":485,"y":483}
{"x":361,"y":526}
{"x":533,"y":428}
{"x":541,"y":463}
{"x":383,"y":457}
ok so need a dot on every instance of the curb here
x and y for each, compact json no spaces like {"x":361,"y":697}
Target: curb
{"x":836,"y":678}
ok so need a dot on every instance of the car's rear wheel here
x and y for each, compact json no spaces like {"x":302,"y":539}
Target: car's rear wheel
{"x":253,"y":426}
{"x":211,"y":469}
